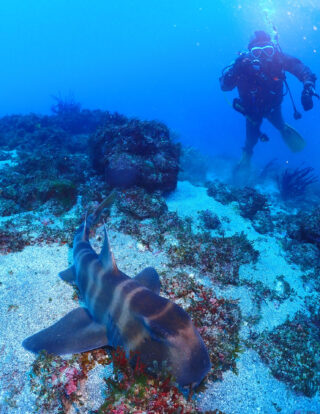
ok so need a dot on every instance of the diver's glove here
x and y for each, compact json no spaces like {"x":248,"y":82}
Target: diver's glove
{"x":306,"y":96}
{"x":243,"y":65}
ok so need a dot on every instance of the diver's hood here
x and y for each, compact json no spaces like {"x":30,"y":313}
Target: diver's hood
{"x":260,"y":38}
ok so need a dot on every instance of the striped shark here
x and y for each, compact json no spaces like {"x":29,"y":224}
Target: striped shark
{"x":125,"y":312}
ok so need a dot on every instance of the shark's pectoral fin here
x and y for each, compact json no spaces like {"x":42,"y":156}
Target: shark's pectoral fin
{"x":75,"y":332}
{"x":69,"y":275}
{"x":150,"y":279}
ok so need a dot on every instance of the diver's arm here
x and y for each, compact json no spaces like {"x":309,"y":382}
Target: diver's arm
{"x":299,"y":70}
{"x":241,"y":67}
{"x":304,"y":74}
{"x":229,"y":77}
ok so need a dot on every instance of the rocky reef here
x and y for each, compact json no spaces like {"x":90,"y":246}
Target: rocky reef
{"x":252,"y":204}
{"x":54,"y":157}
{"x":53,"y":163}
{"x":292,"y":351}
{"x":57,"y":167}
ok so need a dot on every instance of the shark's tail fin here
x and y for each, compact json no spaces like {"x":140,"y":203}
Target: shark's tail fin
{"x":84,"y":229}
{"x":107,"y":202}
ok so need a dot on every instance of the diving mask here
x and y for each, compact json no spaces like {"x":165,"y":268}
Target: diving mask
{"x":267,"y":50}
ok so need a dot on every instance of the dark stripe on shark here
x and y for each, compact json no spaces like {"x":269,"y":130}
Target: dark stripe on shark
{"x":85,"y":257}
{"x":121,"y":291}
{"x":96,"y":288}
{"x":147,"y":303}
{"x":79,"y":246}
{"x":108,"y":296}
{"x":140,"y":313}
{"x":102,"y":294}
{"x":99,"y":304}
{"x":160,"y":311}
{"x":143,"y":314}
{"x":174,"y":320}
{"x":114,"y":336}
{"x":90,"y":273}
{"x":86,"y":269}
{"x":134,"y":333}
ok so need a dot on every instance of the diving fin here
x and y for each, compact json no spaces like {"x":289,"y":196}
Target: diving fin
{"x":292,"y":138}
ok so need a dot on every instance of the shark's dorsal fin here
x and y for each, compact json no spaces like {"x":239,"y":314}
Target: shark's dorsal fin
{"x":106,"y":256}
{"x":85,"y":230}
{"x":149,"y":278}
{"x":114,"y":265}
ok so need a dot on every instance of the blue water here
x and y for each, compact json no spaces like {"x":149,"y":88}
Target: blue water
{"x":154,"y":60}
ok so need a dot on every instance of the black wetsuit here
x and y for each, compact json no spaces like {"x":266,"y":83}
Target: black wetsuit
{"x":261,"y":86}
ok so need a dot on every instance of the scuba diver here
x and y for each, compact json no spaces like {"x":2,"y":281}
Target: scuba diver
{"x":259,"y":75}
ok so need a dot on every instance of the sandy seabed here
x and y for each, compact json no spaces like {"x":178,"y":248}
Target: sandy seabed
{"x":33,"y":297}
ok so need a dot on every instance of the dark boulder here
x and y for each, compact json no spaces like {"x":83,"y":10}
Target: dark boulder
{"x":135,"y":153}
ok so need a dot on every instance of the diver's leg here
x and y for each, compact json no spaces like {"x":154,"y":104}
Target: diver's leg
{"x":276,"y":119}
{"x":252,"y":136}
{"x":241,"y":172}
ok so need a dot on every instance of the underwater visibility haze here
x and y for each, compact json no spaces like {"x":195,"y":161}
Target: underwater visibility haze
{"x":166,"y":155}
{"x":154,"y":60}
